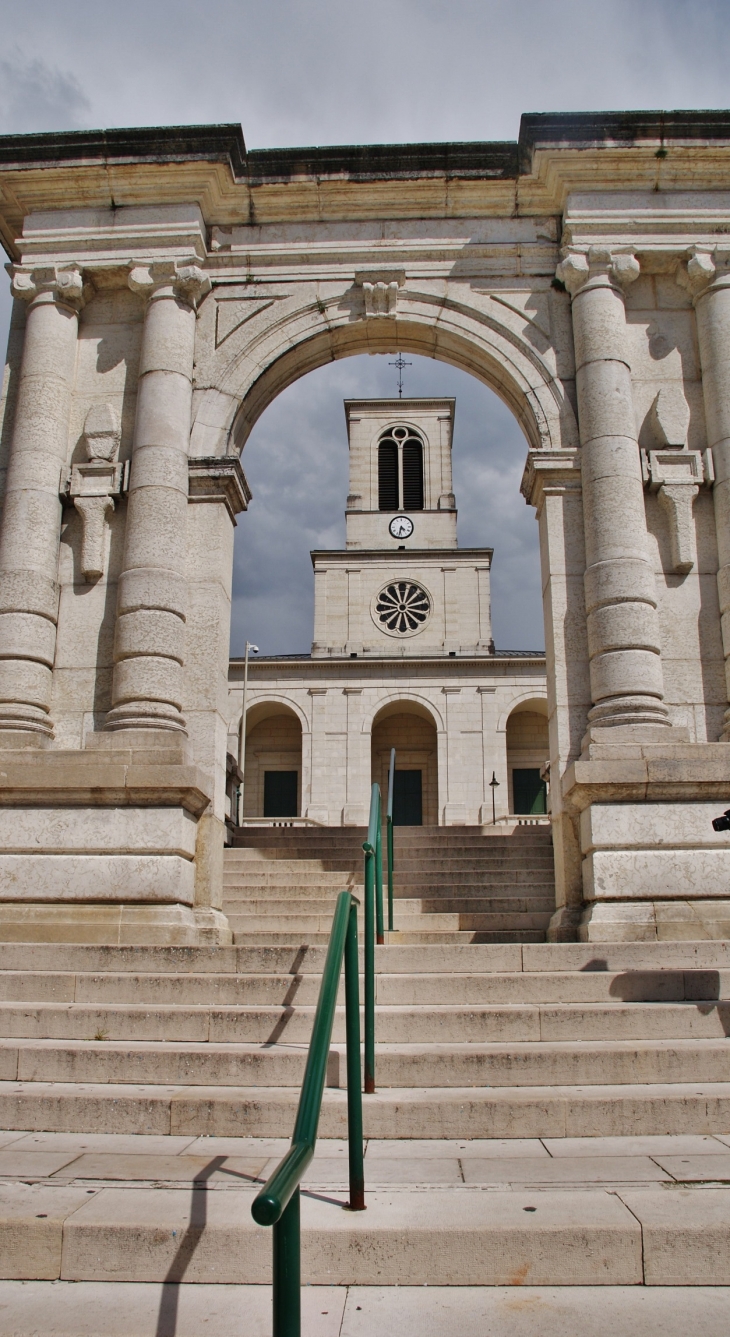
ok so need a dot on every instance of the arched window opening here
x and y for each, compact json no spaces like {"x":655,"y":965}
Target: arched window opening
{"x":400,"y":471}
{"x":388,"y":475}
{"x":412,"y":475}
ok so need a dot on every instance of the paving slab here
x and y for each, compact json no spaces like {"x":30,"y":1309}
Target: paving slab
{"x":185,"y":1169}
{"x":386,"y":1147}
{"x":8,"y":1137}
{"x":31,"y":1228}
{"x":532,"y":1311}
{"x":129,"y":1309}
{"x":699,"y":1169}
{"x":124,"y":1144}
{"x":581,"y":1170}
{"x":403,"y":1169}
{"x":680,"y":1144}
{"x":430,"y":1236}
{"x":686,"y":1234}
{"x":19,"y":1163}
{"x":243,"y":1146}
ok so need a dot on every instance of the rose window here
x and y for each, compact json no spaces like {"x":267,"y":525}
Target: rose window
{"x":402,"y":607}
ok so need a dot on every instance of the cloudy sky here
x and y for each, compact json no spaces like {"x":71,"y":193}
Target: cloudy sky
{"x":359,"y":71}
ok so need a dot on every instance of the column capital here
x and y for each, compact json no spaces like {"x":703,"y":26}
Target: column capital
{"x":579,"y":264}
{"x":181,"y":278}
{"x":705,"y":266}
{"x":64,"y":283}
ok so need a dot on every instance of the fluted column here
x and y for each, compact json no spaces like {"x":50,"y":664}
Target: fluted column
{"x":707,"y":276}
{"x":623,"y":633}
{"x":31,"y":522}
{"x":151,"y":603}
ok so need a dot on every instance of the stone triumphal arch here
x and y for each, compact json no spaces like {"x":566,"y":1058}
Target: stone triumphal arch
{"x":168,"y":285}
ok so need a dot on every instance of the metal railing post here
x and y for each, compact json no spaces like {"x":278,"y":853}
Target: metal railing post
{"x":287,"y":1280}
{"x":354,"y":1091}
{"x":277,"y":1204}
{"x":369,"y":953}
{"x":379,"y":878}
{"x":372,"y":848}
{"x":389,"y":835}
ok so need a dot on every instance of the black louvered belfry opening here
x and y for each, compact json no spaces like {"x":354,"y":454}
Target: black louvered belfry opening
{"x":412,"y":475}
{"x":388,"y":476}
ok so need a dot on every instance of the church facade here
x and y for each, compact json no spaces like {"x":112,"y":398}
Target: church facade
{"x":402,"y":656}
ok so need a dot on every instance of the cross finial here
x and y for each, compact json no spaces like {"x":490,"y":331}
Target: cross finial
{"x":400,"y":363}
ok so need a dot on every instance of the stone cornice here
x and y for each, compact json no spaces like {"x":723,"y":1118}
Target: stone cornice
{"x":219,"y":478}
{"x":208,"y":165}
{"x":550,"y":473}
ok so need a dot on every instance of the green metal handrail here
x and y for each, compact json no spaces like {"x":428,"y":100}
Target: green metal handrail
{"x":277,"y":1204}
{"x":389,"y":832}
{"x":373,"y":927}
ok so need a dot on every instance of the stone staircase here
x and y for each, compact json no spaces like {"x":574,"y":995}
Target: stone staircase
{"x":451,"y":884}
{"x":545,"y":1115}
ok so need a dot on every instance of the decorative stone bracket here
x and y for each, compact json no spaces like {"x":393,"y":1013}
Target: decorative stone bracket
{"x":380,"y":290}
{"x":676,"y":476}
{"x":219,"y":478}
{"x":93,"y":486}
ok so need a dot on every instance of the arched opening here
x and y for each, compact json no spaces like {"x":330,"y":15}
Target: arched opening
{"x":409,"y":728}
{"x":273,"y":769}
{"x":528,"y":752}
{"x":400,"y":471}
{"x":296,"y":462}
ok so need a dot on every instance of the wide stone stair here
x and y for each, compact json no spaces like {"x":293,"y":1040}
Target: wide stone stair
{"x":545,"y":1115}
{"x":451,"y":884}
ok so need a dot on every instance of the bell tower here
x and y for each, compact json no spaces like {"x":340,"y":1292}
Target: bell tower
{"x":401,"y":586}
{"x":401,"y":492}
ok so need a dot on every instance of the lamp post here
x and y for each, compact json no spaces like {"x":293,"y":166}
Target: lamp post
{"x":494,"y":786}
{"x":242,"y":732}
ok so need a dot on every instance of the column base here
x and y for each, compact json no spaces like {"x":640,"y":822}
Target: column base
{"x":354,"y":814}
{"x":113,"y":925}
{"x":655,"y":921}
{"x":564,"y":925}
{"x":454,"y":814}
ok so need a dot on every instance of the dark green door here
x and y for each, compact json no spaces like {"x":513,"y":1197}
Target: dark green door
{"x":408,"y":798}
{"x":529,"y":791}
{"x":280,"y":794}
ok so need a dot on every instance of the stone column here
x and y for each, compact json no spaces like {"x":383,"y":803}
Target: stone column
{"x":707,"y":276}
{"x":623,"y":634}
{"x":32,"y":512}
{"x":151,"y":603}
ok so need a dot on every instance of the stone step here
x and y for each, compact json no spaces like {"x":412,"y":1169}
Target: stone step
{"x":278,"y":1060}
{"x":428,"y":1238}
{"x":432,"y":1237}
{"x":301,"y":925}
{"x":692,"y":958}
{"x":215,"y":990}
{"x":690,"y":1108}
{"x":395,"y":1023}
{"x":118,"y":1308}
{"x":278,"y":860}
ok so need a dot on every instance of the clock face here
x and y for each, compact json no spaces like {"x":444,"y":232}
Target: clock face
{"x":401,"y":527}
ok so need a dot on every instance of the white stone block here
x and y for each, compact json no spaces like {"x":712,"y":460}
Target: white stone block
{"x":97,"y":830}
{"x":155,"y":878}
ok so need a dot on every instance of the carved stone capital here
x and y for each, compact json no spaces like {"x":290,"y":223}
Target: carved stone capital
{"x":181,"y":278}
{"x":706,"y":265}
{"x":64,"y":283}
{"x":579,"y":265}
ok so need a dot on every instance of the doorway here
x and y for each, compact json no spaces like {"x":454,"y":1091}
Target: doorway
{"x":408,"y":798}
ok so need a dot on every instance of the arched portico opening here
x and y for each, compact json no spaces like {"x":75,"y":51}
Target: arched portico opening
{"x":273,"y":770}
{"x":528,"y":752}
{"x":410,"y":728}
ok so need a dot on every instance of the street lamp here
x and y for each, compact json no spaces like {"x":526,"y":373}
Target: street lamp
{"x":242,"y":732}
{"x":494,"y":786}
